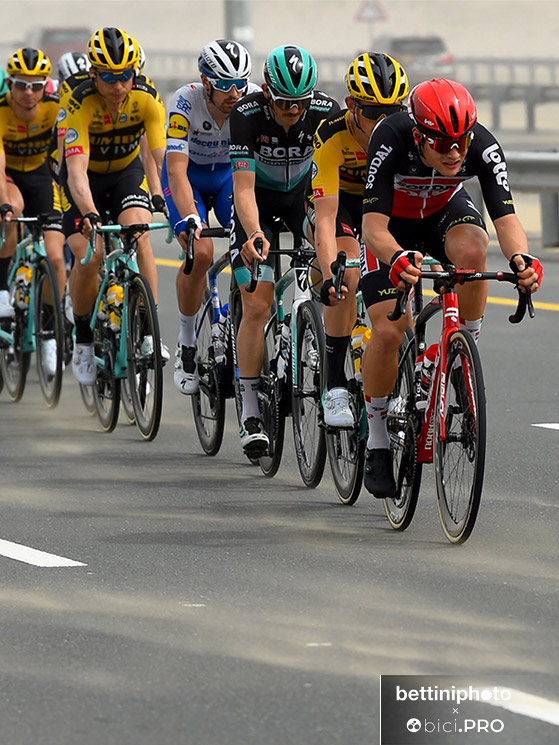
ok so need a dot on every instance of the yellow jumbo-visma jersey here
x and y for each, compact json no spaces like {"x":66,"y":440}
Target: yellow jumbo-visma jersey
{"x":88,"y":128}
{"x":339,"y":161}
{"x":26,"y":144}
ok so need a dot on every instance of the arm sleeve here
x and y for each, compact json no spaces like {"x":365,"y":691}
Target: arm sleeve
{"x":378,"y":195}
{"x":154,"y":122}
{"x":241,"y":148}
{"x":491,"y":170}
{"x":178,"y":124}
{"x":76,"y":140}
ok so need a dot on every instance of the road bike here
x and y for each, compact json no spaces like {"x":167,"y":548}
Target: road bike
{"x":37,"y":322}
{"x":126,"y":335}
{"x":447,"y":425}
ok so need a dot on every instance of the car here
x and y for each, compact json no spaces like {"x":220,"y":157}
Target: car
{"x":423,"y":57}
{"x":56,"y":41}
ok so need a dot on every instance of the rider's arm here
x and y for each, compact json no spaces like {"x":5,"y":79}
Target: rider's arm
{"x":181,"y":190}
{"x":3,"y":181}
{"x":246,"y":209}
{"x":153,"y":172}
{"x":513,"y":242}
{"x":78,"y":183}
{"x":380,"y":242}
{"x":326,"y":209}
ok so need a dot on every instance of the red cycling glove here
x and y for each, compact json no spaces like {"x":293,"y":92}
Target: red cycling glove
{"x":399,"y":263}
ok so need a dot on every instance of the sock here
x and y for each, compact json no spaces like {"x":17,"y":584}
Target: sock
{"x":377,"y":410}
{"x":249,"y":395}
{"x":336,"y":347}
{"x":84,"y":334}
{"x":474,"y":327}
{"x":187,"y":332}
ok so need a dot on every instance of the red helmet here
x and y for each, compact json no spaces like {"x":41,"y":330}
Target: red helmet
{"x":443,"y":108}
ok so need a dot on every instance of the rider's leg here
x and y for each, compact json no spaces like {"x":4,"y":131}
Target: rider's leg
{"x":8,"y":250}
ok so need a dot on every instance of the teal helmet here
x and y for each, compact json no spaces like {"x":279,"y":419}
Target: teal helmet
{"x":290,"y":71}
{"x":3,"y":85}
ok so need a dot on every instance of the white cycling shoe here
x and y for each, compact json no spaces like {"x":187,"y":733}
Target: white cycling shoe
{"x":186,"y":375}
{"x":336,"y":409}
{"x":6,"y":308}
{"x":147,"y":348}
{"x":83,"y":364}
{"x":50,"y":358}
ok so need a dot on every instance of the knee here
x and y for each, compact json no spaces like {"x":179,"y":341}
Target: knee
{"x":256,"y":310}
{"x":386,"y":338}
{"x":468,"y":249}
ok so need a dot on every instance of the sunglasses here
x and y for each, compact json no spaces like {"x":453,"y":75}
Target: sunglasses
{"x":288,"y":103}
{"x":226,"y":85}
{"x":115,"y":77}
{"x":444,"y":145}
{"x":23,"y":85}
{"x":375,"y":111}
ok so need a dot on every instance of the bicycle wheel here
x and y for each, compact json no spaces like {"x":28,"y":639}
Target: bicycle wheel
{"x":402,"y":428}
{"x":346,"y":447}
{"x":88,"y":398}
{"x":106,"y":389}
{"x":126,"y":401}
{"x":208,"y":404}
{"x":14,"y":361}
{"x":145,"y":366}
{"x":49,"y":330}
{"x":272,"y":404}
{"x":459,"y":458}
{"x":308,"y":436}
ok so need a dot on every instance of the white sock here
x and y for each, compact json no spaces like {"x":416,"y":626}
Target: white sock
{"x":249,"y":394}
{"x":187,"y":331}
{"x":474,"y":327}
{"x":377,"y":410}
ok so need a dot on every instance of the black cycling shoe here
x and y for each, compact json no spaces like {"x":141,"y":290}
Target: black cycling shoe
{"x":254,"y":440}
{"x":379,"y":476}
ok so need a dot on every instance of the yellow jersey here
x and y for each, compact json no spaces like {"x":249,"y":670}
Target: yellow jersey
{"x":339,"y":161}
{"x":111,"y":146}
{"x":26,"y":144}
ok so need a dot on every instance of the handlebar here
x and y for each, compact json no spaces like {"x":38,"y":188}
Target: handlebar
{"x":452,"y":276}
{"x":259,"y":246}
{"x":191,"y":228}
{"x":130,"y":233}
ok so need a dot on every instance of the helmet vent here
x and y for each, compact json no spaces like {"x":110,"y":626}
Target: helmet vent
{"x":454,"y":118}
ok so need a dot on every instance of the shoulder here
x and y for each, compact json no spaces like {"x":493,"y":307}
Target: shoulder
{"x":144,"y":87}
{"x":50,"y":98}
{"x":187,"y":98}
{"x":4,"y":103}
{"x":83,"y":91}
{"x":323,"y":104}
{"x":333,"y":124}
{"x":250,"y":105}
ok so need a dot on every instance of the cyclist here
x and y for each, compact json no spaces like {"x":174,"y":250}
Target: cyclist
{"x":197,"y":177}
{"x":271,"y":155}
{"x":377,"y":85}
{"x":27,"y":117}
{"x":102,"y":125}
{"x":414,"y":200}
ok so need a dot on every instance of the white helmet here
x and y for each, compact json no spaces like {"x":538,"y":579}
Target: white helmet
{"x":72,"y":63}
{"x":225,"y":60}
{"x":141,"y":61}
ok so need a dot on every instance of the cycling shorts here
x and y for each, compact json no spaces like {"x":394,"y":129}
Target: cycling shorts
{"x":112,"y":193}
{"x":289,"y":207}
{"x":348,"y":218}
{"x":427,"y":235}
{"x":212,"y":189}
{"x":39,"y":192}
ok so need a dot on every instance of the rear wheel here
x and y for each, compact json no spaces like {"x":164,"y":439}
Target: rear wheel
{"x":145,"y":365}
{"x":402,"y":426}
{"x":88,"y":398}
{"x":14,"y":361}
{"x":49,"y":332}
{"x":106,"y":389}
{"x":272,"y":403}
{"x":308,"y":436}
{"x":208,"y":403}
{"x":346,"y":447}
{"x":459,"y":458}
{"x":126,"y":401}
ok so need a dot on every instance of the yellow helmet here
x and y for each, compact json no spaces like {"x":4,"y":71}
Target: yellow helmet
{"x":377,"y":78}
{"x":28,"y":61}
{"x":113,"y":49}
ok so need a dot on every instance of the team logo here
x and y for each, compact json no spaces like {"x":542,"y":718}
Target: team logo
{"x":71,"y":136}
{"x":123,"y":117}
{"x":61,"y":115}
{"x":314,"y":170}
{"x":178,"y":127}
{"x":206,"y":125}
{"x":413,"y":725}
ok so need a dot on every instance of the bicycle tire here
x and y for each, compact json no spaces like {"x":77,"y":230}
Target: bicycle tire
{"x":14,"y":362}
{"x":208,"y":403}
{"x":346,"y":447}
{"x":308,"y":436}
{"x":459,"y":461}
{"x":145,"y":364}
{"x":49,"y":325}
{"x":126,"y":401}
{"x":106,"y":389}
{"x":402,"y":427}
{"x":272,"y":404}
{"x":88,"y":398}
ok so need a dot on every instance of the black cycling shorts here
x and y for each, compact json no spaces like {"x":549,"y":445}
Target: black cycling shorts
{"x":112,"y":193}
{"x":39,"y":192}
{"x":348,"y":217}
{"x":427,"y":235}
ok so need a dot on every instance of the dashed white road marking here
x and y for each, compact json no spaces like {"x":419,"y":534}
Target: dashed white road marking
{"x":33,"y":556}
{"x":547,"y":425}
{"x":528,"y":705}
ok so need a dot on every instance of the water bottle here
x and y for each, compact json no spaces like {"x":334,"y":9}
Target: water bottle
{"x":359,"y":339}
{"x":283,"y":357}
{"x":426,"y":362}
{"x":218,"y":336}
{"x":23,"y":282}
{"x":115,"y":298}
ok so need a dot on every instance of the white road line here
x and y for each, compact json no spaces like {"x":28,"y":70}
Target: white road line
{"x":549,"y":425}
{"x":34,"y":556}
{"x":528,"y":705}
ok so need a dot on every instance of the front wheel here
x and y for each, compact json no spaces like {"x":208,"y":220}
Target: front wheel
{"x":402,"y":427}
{"x":49,"y":332}
{"x":459,"y":457}
{"x":272,"y":403}
{"x":106,"y":389}
{"x":145,"y":365}
{"x":208,"y":403}
{"x":14,"y":361}
{"x":308,"y":436}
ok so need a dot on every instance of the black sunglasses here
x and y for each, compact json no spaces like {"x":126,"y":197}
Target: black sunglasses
{"x":375,"y":111}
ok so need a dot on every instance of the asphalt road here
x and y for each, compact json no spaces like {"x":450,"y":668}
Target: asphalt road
{"x":213,"y":606}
